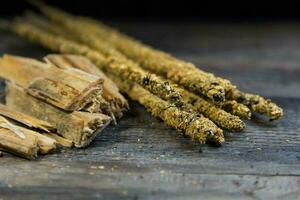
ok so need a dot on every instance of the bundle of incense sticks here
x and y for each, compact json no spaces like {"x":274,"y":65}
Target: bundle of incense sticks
{"x":193,"y":101}
{"x":49,"y":104}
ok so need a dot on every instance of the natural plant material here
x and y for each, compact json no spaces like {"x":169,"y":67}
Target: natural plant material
{"x":26,"y":147}
{"x":79,"y":127}
{"x":44,"y":143}
{"x":237,"y":109}
{"x":25,"y":119}
{"x":260,"y":105}
{"x":197,"y":127}
{"x":60,"y":140}
{"x":67,"y":89}
{"x":117,"y":103}
{"x":216,"y":114}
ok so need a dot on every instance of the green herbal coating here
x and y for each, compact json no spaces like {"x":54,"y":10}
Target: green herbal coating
{"x":153,"y":60}
{"x":254,"y":102}
{"x":237,"y":109}
{"x":257,"y":104}
{"x":197,"y":127}
{"x":108,"y":64}
{"x":190,"y":77}
{"x":181,"y":72}
{"x":222,"y":118}
{"x":264,"y":106}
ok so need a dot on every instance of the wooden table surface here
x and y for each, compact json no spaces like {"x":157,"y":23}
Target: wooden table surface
{"x":141,"y":158}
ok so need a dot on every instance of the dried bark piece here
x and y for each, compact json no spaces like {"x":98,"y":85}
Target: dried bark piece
{"x":10,"y":142}
{"x":66,"y":89}
{"x":60,"y":140}
{"x":8,"y":125}
{"x":197,"y":127}
{"x":25,"y":119}
{"x":108,"y":64}
{"x":111,"y":93}
{"x":45,"y":144}
{"x":79,"y":127}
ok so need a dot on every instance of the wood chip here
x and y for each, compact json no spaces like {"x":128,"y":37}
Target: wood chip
{"x":110,"y":90}
{"x":67,"y":89}
{"x":79,"y":127}
{"x":25,"y":119}
{"x":60,"y":140}
{"x":45,"y":144}
{"x":12,"y":143}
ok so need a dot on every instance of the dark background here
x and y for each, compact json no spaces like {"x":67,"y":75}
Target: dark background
{"x":171,"y":10}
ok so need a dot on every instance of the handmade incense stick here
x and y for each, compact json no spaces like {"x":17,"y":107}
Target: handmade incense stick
{"x":237,"y":109}
{"x":260,"y":105}
{"x":181,"y":72}
{"x":216,"y":114}
{"x":197,"y":127}
{"x":82,"y":35}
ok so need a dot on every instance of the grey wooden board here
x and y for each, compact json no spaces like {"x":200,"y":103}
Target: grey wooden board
{"x":141,"y":158}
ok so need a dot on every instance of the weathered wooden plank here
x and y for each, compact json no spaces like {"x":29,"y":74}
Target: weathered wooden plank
{"x":164,"y":187}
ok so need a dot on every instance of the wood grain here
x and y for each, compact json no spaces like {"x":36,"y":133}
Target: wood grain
{"x":141,"y":158}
